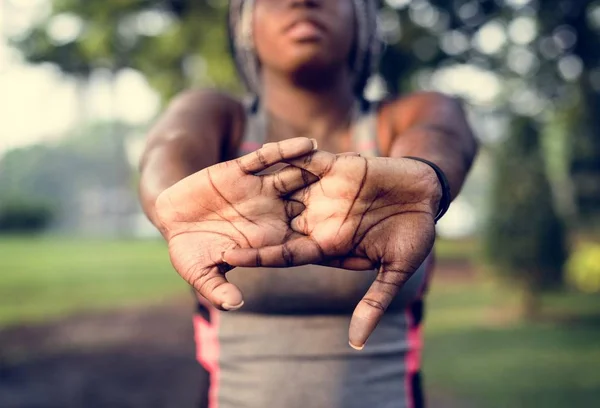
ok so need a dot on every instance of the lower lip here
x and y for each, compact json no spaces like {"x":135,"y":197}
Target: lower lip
{"x":305,"y":31}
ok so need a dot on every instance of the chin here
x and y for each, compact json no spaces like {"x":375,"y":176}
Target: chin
{"x":311,"y":60}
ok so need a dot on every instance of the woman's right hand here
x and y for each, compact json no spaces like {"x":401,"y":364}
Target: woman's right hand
{"x":229,"y":206}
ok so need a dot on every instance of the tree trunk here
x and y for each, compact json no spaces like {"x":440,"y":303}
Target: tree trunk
{"x":531,"y":304}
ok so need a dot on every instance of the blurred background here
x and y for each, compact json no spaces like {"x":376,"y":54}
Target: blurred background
{"x":91,"y":313}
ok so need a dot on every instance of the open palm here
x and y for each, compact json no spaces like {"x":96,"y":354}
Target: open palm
{"x":362,"y":214}
{"x":229,"y":206}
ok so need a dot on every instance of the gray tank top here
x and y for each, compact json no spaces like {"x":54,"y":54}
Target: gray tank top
{"x":313,"y":289}
{"x":288,"y":346}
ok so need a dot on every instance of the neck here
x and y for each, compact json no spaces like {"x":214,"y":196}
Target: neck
{"x":320,"y":110}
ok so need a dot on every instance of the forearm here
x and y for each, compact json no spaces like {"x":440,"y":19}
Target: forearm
{"x":189,"y":137}
{"x":451,"y":151}
{"x":178,"y":156}
{"x":434,"y":127}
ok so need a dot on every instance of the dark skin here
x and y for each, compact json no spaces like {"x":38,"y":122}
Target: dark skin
{"x":357,"y":213}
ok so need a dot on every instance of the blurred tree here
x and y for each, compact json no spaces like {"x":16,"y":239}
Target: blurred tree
{"x":583,"y":268}
{"x":570,"y":41}
{"x":59,"y":175}
{"x":176,"y":44}
{"x":22,"y":215}
{"x":544,"y":55}
{"x":525,"y":240}
{"x":426,"y":35}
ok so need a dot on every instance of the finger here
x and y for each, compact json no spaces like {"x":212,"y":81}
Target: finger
{"x":212,"y":284}
{"x":300,"y":251}
{"x":273,"y":153}
{"x":288,"y":180}
{"x":300,"y":224}
{"x":293,"y":209}
{"x":373,"y":305}
{"x":351,"y":154}
{"x":318,"y":162}
{"x":352,"y":264}
{"x":302,"y":195}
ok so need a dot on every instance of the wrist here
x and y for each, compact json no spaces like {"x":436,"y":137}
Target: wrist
{"x":437,"y":186}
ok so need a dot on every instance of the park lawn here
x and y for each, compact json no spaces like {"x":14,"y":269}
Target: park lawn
{"x":48,"y":278}
{"x":475,"y":347}
{"x":51,"y":277}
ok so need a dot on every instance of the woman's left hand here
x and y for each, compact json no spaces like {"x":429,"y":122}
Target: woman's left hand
{"x":362,"y":214}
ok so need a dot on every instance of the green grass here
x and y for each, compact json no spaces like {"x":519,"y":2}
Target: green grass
{"x":472,"y":351}
{"x":47,"y":278}
{"x":475,"y":348}
{"x":456,"y":250}
{"x":42,"y":279}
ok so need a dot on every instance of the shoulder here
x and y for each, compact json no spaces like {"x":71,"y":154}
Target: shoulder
{"x":217,"y":115}
{"x":406,"y":111}
{"x":206,"y":102}
{"x":397,"y":115}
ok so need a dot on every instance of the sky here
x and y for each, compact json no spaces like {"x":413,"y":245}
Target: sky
{"x":39,"y":103}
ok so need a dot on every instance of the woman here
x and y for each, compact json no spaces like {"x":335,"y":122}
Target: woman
{"x":305,"y":64}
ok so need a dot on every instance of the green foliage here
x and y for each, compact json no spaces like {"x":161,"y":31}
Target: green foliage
{"x":478,"y":350}
{"x":92,"y":157}
{"x":560,"y":21}
{"x":179,"y":44}
{"x":48,"y":278}
{"x":176,"y":44}
{"x":584,"y":161}
{"x":20,"y":215}
{"x":525,"y":239}
{"x":583,"y":268}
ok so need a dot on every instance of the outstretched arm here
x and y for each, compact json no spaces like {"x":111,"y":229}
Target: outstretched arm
{"x":203,"y":206}
{"x":377,"y":212}
{"x":434,"y":127}
{"x":190,"y":136}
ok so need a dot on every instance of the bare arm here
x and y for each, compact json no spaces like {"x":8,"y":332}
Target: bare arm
{"x":190,"y":136}
{"x":377,"y":212}
{"x":204,"y":206}
{"x":434,"y":127}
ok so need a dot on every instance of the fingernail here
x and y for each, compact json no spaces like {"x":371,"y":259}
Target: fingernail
{"x":315,"y":144}
{"x":359,"y":348}
{"x":231,"y":308}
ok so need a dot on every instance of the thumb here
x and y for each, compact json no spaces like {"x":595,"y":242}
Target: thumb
{"x":211,"y":283}
{"x":373,"y":305}
{"x":405,"y":251}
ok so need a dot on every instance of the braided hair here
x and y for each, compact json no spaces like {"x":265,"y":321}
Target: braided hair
{"x":365,"y":55}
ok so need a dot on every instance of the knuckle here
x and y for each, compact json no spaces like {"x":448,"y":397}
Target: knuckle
{"x":307,"y":160}
{"x":261,"y":158}
{"x":279,"y":184}
{"x":280,"y":151}
{"x":327,"y":169}
{"x":374,"y":304}
{"x":258,"y":260}
{"x":195,"y":276}
{"x":287,"y":255}
{"x":389,"y":287}
{"x":241,"y":165}
{"x":207,"y":284}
